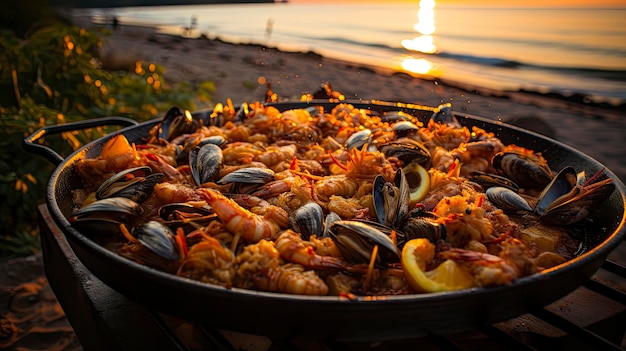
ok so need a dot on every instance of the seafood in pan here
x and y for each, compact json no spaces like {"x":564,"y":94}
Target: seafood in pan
{"x":348,"y":201}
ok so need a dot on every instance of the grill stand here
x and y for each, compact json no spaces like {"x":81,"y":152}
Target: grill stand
{"x":592,"y":317}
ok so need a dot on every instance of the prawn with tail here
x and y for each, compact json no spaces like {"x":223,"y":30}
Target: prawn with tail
{"x":291,"y":279}
{"x":293,"y":249}
{"x":250,"y":226}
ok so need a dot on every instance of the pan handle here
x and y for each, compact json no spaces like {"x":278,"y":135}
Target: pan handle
{"x":29,"y":143}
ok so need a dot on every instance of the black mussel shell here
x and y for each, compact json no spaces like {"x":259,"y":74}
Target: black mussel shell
{"x":157,"y":237}
{"x":527,"y":171}
{"x":176,"y":122}
{"x":205,"y":162}
{"x":444,"y":115}
{"x":356,"y":240}
{"x":407,"y":151}
{"x":308,"y":220}
{"x":359,"y":139}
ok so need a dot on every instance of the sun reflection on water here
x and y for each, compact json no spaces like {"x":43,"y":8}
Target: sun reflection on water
{"x":423,"y":43}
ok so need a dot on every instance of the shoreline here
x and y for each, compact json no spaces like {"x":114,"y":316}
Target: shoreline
{"x":241,"y":71}
{"x":460,"y":80}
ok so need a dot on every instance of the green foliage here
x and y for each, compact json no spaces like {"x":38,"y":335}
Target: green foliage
{"x":51,"y":77}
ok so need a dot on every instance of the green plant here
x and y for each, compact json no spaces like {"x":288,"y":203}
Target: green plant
{"x":53,"y":76}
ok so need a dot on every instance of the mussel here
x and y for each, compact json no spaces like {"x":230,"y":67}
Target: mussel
{"x":570,"y":196}
{"x":359,"y":139}
{"x":420,"y":227}
{"x":404,"y":128}
{"x":182,"y":152}
{"x":527,"y":171}
{"x":133,"y":183}
{"x":157,"y":237}
{"x":205,"y":162}
{"x":396,"y":116}
{"x":391,"y":201}
{"x":407,"y":151}
{"x":444,"y":115}
{"x":185,"y":215}
{"x":308,"y":220}
{"x":488,"y":180}
{"x":246,"y":180}
{"x":356,"y":241}
{"x":176,"y":122}
{"x":104,"y":216}
{"x":507,"y":199}
{"x":567,"y":199}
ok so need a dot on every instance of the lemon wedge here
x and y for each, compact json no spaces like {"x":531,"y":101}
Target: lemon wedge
{"x":419,"y":182}
{"x":447,"y":276}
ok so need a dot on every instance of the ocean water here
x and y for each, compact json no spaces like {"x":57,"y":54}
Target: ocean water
{"x":570,"y":51}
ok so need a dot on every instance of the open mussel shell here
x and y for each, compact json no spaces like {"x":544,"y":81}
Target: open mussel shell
{"x":104,"y":216}
{"x":407,"y":151}
{"x":527,"y":171}
{"x":205,"y":162}
{"x":157,"y":237}
{"x":185,"y":215}
{"x":176,"y":122}
{"x":561,"y":185}
{"x":308,"y":220}
{"x":568,"y":199}
{"x":356,"y":240}
{"x":391,"y":201}
{"x":136,"y":184}
{"x":507,"y":200}
{"x":385,"y":197}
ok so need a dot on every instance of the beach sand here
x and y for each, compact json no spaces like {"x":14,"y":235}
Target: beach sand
{"x":240,"y":72}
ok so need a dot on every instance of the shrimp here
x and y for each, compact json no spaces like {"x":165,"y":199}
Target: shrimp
{"x":514,"y":261}
{"x":340,"y":185}
{"x":325,"y":246}
{"x":209,"y":261}
{"x":274,"y":155}
{"x":295,"y":250}
{"x":475,"y":155}
{"x":291,"y":279}
{"x":250,"y":226}
{"x":174,"y":192}
{"x":158,"y":164}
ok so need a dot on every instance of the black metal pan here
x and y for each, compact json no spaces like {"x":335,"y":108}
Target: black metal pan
{"x":291,"y":316}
